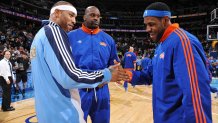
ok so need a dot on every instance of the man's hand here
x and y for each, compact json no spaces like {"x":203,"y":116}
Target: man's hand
{"x":118,"y":73}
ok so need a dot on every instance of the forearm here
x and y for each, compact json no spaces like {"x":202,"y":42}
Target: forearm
{"x":141,"y":77}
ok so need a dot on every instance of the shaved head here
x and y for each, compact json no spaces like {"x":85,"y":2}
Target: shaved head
{"x":90,"y":8}
{"x":92,"y":17}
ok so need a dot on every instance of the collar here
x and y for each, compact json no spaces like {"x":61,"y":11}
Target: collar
{"x":90,"y":31}
{"x":45,"y":22}
{"x":49,"y":22}
{"x":168,"y":31}
{"x":6,"y":60}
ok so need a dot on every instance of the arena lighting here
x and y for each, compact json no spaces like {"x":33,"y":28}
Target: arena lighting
{"x":173,"y":16}
{"x":113,"y":18}
{"x":192,"y":15}
{"x":122,"y":30}
{"x":19,"y":14}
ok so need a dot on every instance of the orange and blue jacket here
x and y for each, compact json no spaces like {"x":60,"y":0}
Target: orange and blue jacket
{"x":92,"y":49}
{"x":179,"y":75}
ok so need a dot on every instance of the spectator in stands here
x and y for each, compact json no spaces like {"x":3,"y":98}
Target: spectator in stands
{"x":216,"y":66}
{"x":98,"y":52}
{"x":20,"y":50}
{"x":1,"y":55}
{"x":210,"y":71}
{"x":54,"y":73}
{"x":178,"y":72}
{"x":1,"y":47}
{"x":213,"y":70}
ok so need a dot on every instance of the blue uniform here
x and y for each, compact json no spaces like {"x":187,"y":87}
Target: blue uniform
{"x":181,"y":91}
{"x":129,"y":60}
{"x":55,"y":76}
{"x":94,"y":50}
{"x":145,"y":62}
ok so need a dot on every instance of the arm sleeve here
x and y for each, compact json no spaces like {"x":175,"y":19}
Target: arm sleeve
{"x":113,"y":55}
{"x":134,"y":57}
{"x":61,"y":64}
{"x":142,"y":77}
{"x":4,"y":71}
{"x":192,"y":78}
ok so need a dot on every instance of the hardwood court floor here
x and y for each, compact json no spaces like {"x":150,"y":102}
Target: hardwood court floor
{"x":133,"y":106}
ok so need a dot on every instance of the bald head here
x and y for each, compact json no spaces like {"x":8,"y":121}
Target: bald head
{"x":92,"y":17}
{"x":90,"y":9}
{"x":131,"y":49}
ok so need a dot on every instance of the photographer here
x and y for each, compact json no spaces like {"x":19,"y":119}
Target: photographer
{"x":22,"y":64}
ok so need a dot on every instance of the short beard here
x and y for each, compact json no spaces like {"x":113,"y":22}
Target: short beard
{"x":159,"y":36}
{"x":92,"y":27}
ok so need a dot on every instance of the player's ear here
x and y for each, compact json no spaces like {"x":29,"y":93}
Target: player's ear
{"x":165,"y":20}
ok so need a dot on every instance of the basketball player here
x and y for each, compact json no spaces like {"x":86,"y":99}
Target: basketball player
{"x":93,"y":49}
{"x":181,"y":91}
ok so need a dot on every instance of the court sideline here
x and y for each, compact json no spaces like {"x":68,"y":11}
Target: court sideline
{"x":133,"y":106}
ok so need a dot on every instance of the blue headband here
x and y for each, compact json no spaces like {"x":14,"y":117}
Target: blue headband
{"x":156,"y":13}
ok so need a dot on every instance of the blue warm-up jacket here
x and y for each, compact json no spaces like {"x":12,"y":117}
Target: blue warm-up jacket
{"x":179,"y":75}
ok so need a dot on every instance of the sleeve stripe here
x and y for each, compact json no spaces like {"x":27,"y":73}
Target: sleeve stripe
{"x":196,"y":99}
{"x":190,"y":79}
{"x":65,"y":54}
{"x":66,"y":57}
{"x":195,"y":77}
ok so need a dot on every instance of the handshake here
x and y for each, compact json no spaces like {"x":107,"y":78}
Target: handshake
{"x":119,"y":74}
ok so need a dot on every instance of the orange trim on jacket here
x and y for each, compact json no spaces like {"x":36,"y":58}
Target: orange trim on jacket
{"x":189,"y":57}
{"x":168,"y":31}
{"x":90,"y":31}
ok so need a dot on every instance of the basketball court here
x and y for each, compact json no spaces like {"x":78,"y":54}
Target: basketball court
{"x":133,"y":106}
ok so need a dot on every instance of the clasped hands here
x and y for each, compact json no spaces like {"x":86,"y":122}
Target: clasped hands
{"x":118,"y":73}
